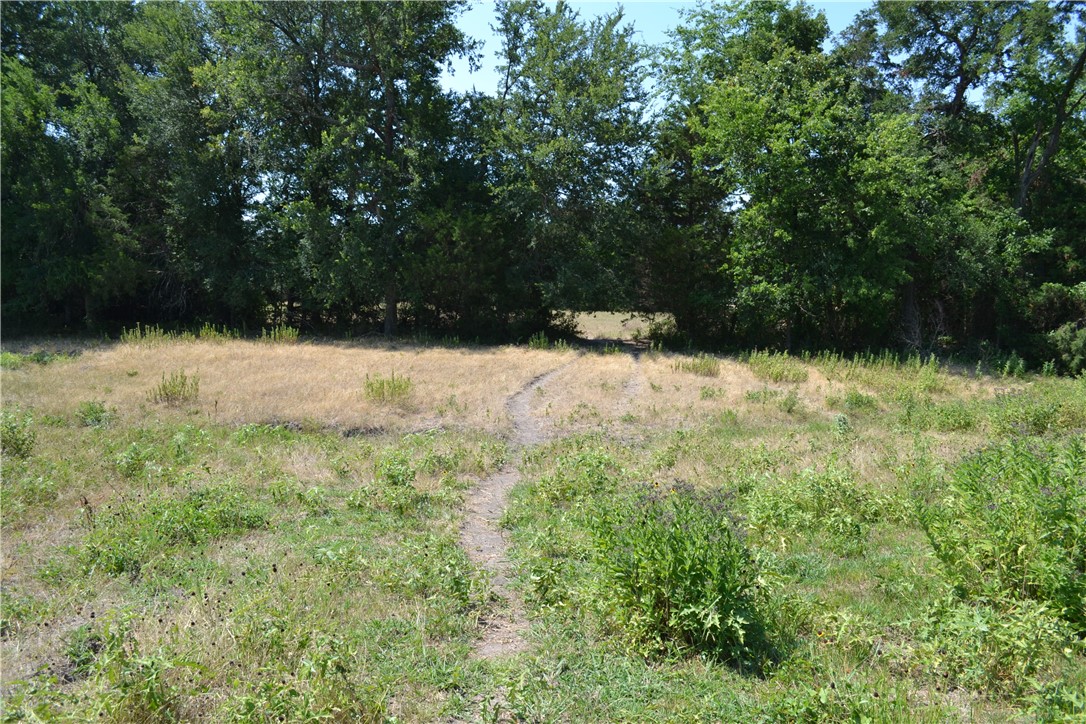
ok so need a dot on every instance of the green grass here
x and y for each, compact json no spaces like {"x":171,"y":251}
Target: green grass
{"x":906,"y":552}
{"x":703,"y":364}
{"x":777,"y":367}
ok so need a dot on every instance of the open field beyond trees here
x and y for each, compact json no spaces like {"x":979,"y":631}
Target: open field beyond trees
{"x":218,"y":529}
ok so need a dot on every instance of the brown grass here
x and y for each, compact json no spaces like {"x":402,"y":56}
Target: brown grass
{"x":310,"y":384}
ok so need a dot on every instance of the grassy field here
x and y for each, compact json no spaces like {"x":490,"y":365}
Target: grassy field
{"x":217,"y":529}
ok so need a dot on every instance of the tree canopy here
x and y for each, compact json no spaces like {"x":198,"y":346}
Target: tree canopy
{"x":914,"y":182}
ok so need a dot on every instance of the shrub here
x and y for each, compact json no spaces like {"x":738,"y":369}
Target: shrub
{"x":387,"y":389}
{"x":777,"y":367}
{"x":17,"y":433}
{"x":177,"y":389}
{"x":1012,"y":524}
{"x":678,"y":574}
{"x":93,"y":413}
{"x":998,"y":645}
{"x":703,"y":364}
{"x":539,"y":341}
{"x":1069,"y":342}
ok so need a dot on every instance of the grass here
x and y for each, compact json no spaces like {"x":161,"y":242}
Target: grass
{"x":740,"y":549}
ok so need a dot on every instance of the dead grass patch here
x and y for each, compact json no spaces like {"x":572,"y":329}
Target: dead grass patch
{"x":245,"y":381}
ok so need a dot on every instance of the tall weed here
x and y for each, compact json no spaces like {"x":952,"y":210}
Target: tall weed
{"x":678,"y":574}
{"x":1011,"y":523}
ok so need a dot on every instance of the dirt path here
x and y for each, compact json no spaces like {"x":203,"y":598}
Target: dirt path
{"x":482,"y":537}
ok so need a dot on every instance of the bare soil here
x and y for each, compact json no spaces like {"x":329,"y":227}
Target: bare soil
{"x":482,"y":537}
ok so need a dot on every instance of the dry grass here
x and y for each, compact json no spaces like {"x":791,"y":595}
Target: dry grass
{"x":310,"y":384}
{"x":611,"y":325}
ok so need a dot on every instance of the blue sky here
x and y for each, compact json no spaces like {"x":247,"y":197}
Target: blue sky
{"x":651,"y":19}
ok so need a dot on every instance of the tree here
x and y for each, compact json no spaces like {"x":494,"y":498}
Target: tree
{"x":566,"y":139}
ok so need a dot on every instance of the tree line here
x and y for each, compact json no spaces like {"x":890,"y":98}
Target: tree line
{"x":915,"y":182}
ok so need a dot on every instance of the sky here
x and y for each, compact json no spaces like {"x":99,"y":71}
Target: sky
{"x":651,"y":19}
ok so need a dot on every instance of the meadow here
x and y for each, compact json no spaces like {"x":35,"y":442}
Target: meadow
{"x":206,"y":528}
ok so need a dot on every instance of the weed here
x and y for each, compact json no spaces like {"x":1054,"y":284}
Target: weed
{"x":93,"y":413}
{"x":777,"y":367}
{"x":385,"y":390}
{"x":139,"y":528}
{"x":853,"y":401}
{"x":678,"y":574}
{"x":1010,"y":524}
{"x":580,"y":474}
{"x":17,"y":434}
{"x":827,"y":501}
{"x":175,"y":390}
{"x":996,"y":645}
{"x":539,"y":341}
{"x":790,"y":403}
{"x":711,"y":393}
{"x":703,"y":364}
{"x":279,"y":334}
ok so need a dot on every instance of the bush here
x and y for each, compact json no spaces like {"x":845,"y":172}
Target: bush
{"x":998,"y":645}
{"x":678,"y":574}
{"x":279,"y":334}
{"x":387,"y":389}
{"x":1069,"y":342}
{"x":817,"y":501}
{"x":175,"y":390}
{"x":1012,"y":524}
{"x":94,"y":414}
{"x":17,"y":433}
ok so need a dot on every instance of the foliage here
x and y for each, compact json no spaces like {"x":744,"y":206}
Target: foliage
{"x":17,"y":434}
{"x":139,"y":529}
{"x":1010,"y":525}
{"x":93,"y":413}
{"x":679,"y":574}
{"x":175,"y":390}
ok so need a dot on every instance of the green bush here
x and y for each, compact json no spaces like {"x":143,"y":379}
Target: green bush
{"x":93,"y":413}
{"x":177,"y":389}
{"x":999,"y":645}
{"x":387,"y":389}
{"x":17,"y":433}
{"x":579,"y":474}
{"x":678,"y":574}
{"x":1069,"y":341}
{"x":826,"y":501}
{"x":279,"y":334}
{"x":1011,"y":523}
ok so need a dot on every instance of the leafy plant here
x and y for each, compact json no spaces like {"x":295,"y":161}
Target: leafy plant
{"x":17,"y":434}
{"x":678,"y":574}
{"x":387,"y":389}
{"x":1011,"y":523}
{"x":93,"y":413}
{"x":175,"y":390}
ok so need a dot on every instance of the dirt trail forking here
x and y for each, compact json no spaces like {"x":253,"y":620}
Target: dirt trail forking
{"x":482,"y":537}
